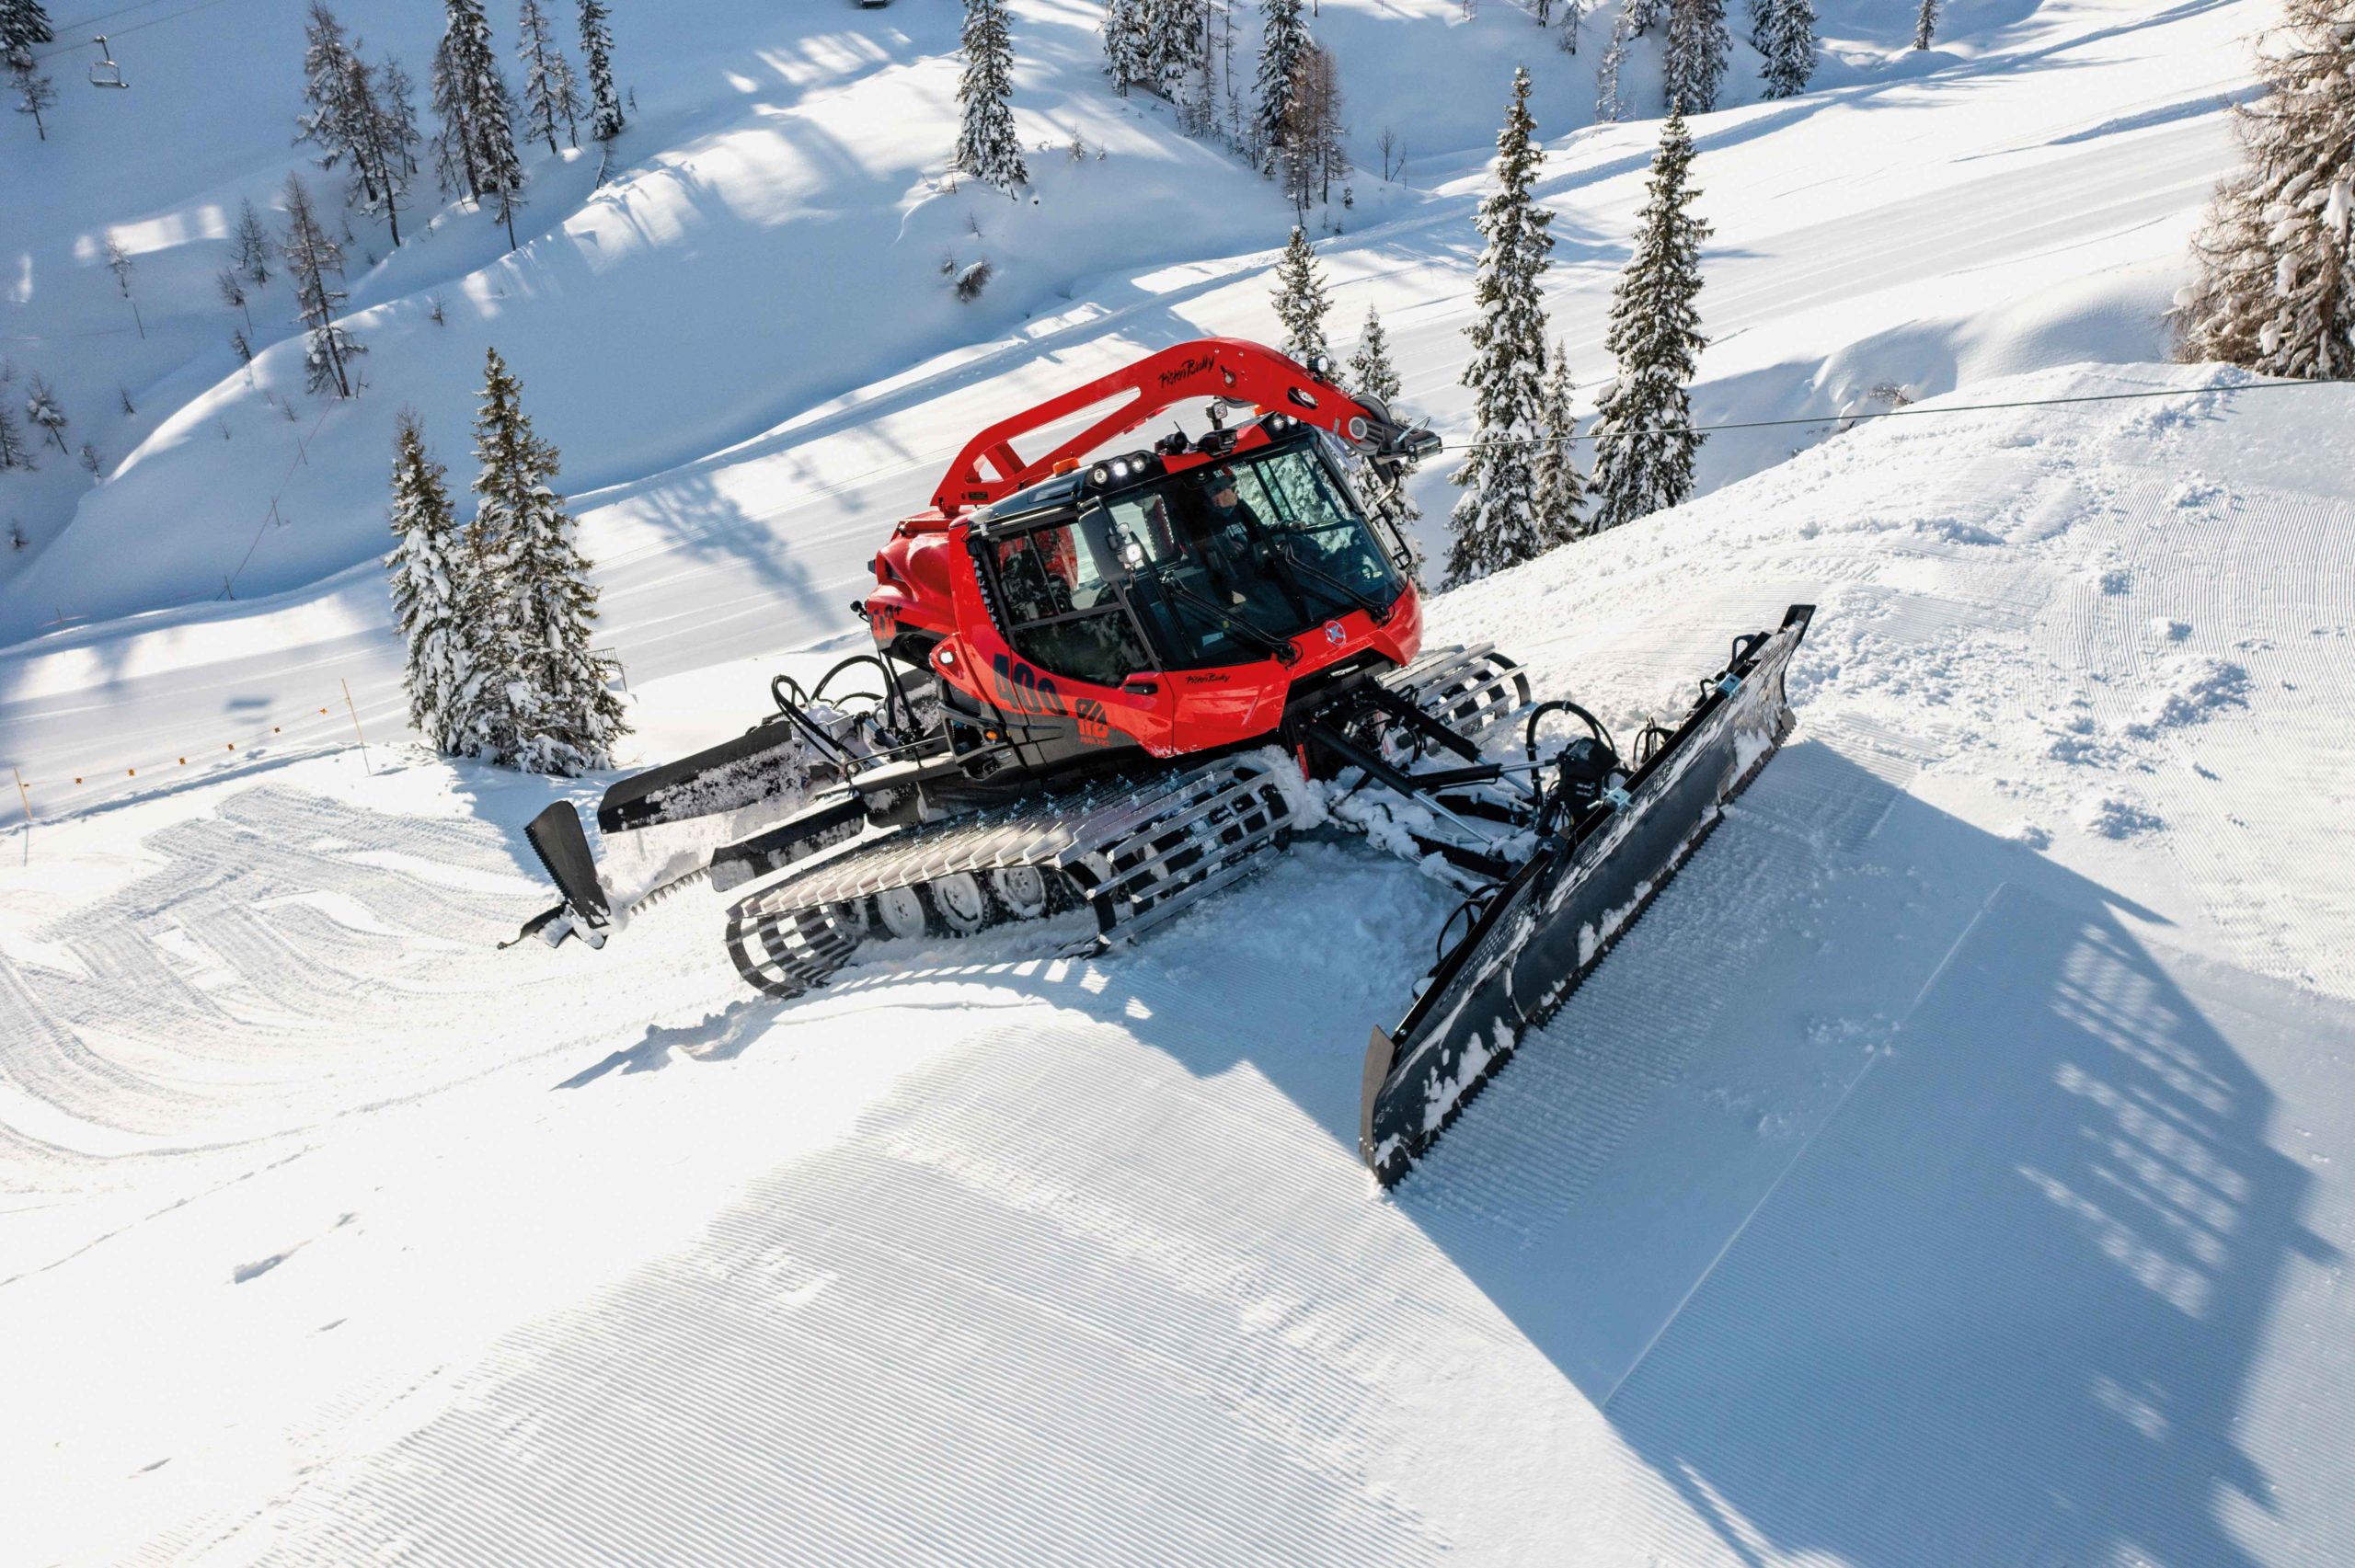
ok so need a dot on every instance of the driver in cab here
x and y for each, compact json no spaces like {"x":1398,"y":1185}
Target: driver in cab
{"x":1230,"y":533}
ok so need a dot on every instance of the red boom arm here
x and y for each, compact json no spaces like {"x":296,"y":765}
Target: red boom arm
{"x":1209,"y":367}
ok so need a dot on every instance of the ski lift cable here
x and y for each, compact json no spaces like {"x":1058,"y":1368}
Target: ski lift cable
{"x":1911,"y":413}
{"x":119,"y":32}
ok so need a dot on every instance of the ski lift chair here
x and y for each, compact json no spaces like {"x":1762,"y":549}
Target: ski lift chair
{"x":106,"y":72}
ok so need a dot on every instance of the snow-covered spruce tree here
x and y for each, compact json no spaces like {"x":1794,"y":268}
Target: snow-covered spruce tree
{"x":1642,"y":16}
{"x":1644,"y":439}
{"x":1177,"y":40}
{"x":2275,"y":286}
{"x":1494,"y":523}
{"x":1561,"y":499}
{"x":251,"y":246}
{"x":1925,"y":25}
{"x":1789,"y":62}
{"x":1697,"y":45}
{"x":1371,"y":375}
{"x":454,"y":166}
{"x":430,"y":564}
{"x":1609,"y":107}
{"x":597,"y":48}
{"x":1370,"y":372}
{"x":566,"y":720}
{"x":43,"y":409}
{"x":493,"y":167}
{"x":24,"y":26}
{"x":1300,"y":298}
{"x":1283,"y":41}
{"x":986,"y":145}
{"x":316,"y":263}
{"x":550,"y":93}
{"x":1125,"y":44}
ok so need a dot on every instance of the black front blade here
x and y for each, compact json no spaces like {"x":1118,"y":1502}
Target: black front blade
{"x":563,"y":848}
{"x":1556,"y":917}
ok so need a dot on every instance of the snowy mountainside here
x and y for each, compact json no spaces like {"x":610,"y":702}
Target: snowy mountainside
{"x":1990,"y":228}
{"x":698,"y":299}
{"x":1952,"y":1167}
{"x":1972,"y":1103}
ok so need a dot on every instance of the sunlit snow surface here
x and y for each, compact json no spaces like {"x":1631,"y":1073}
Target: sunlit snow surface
{"x":1951,"y":1166}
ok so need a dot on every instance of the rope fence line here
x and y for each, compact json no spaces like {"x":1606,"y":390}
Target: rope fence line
{"x":1921,"y":413}
{"x":309,"y":731}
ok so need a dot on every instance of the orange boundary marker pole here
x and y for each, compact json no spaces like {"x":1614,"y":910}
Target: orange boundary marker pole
{"x":348,"y":703}
{"x":23,"y":794}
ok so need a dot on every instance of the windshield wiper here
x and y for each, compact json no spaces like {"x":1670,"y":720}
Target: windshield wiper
{"x":1280,"y":648}
{"x":1378,"y":612}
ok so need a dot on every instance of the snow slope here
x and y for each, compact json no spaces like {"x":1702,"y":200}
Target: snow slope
{"x":1955,"y":1168}
{"x":1913,"y":231}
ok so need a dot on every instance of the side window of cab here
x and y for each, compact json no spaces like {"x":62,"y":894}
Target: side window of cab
{"x":1064,"y":615}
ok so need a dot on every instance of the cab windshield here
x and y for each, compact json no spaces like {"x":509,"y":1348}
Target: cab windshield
{"x":1220,"y":564}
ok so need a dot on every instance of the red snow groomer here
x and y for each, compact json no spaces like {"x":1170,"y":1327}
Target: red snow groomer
{"x":1109,"y":686}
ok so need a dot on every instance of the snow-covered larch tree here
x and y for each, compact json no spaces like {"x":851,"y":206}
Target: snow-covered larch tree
{"x":24,"y":26}
{"x":330,"y":119}
{"x":1644,"y":439}
{"x":43,"y":409}
{"x":550,"y":93}
{"x":2275,"y":289}
{"x":597,"y":50}
{"x":251,"y":245}
{"x":35,"y":93}
{"x":1370,"y":372}
{"x":986,"y":145}
{"x":430,"y":564}
{"x":120,"y":263}
{"x":1300,"y":298}
{"x":316,"y":263}
{"x":1283,"y":41}
{"x":1697,"y":45}
{"x":1561,"y":499}
{"x":1495,"y":522}
{"x":1789,"y":62}
{"x":1926,"y":24}
{"x":565,"y":718}
{"x":13,"y":451}
{"x":385,"y":136}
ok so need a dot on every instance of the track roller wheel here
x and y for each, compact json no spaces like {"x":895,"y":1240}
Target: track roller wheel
{"x":901,"y":913}
{"x":1021,"y":890}
{"x":960,"y":904}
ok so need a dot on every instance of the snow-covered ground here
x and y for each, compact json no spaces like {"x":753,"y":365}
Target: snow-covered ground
{"x":1954,"y":1167}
